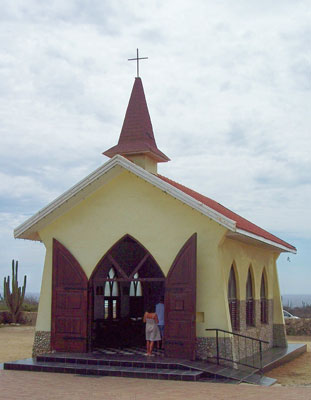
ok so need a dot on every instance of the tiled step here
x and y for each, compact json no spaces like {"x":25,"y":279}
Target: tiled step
{"x":105,"y":370}
{"x":209,"y":370}
{"x":261,"y":380}
{"x":139,"y":366}
{"x":278,"y":356}
{"x":142,"y":362}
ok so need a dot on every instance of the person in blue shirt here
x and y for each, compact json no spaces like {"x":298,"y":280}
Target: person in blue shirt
{"x":160,"y":314}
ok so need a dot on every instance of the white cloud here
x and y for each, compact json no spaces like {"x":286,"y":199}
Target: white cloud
{"x":21,"y":187}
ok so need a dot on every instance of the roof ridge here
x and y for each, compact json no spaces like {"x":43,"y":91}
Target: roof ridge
{"x":194,"y":191}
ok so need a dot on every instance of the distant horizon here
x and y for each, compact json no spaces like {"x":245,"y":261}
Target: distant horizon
{"x":282,"y":294}
{"x":288,"y":300}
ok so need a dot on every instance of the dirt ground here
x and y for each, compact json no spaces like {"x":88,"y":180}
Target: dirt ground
{"x":16,"y":343}
{"x":298,"y":371}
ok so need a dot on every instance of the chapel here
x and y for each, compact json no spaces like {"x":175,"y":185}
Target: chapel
{"x":125,"y":235}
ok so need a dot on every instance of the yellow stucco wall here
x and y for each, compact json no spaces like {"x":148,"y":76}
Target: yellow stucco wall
{"x":278,"y":317}
{"x":129,"y":205}
{"x":246,"y":256}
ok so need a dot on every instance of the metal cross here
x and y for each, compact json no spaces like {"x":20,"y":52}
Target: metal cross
{"x":137,"y":60}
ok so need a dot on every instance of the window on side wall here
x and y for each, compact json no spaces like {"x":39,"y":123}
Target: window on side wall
{"x":232,"y":299}
{"x":263,"y":300}
{"x":249,"y":300}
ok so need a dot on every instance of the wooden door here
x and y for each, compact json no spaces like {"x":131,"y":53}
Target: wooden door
{"x":69,"y":302}
{"x":180,"y":303}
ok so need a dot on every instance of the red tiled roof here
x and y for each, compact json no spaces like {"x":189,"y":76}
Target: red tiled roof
{"x":241,"y":222}
{"x":137,"y":134}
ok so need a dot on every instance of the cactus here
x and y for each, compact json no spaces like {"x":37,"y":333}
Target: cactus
{"x":15,"y":298}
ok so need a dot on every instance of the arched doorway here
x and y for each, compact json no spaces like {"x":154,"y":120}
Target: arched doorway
{"x":124,"y":281}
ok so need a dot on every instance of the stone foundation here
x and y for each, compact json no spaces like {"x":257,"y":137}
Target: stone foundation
{"x":206,"y":347}
{"x":237,"y":347}
{"x":279,"y":335}
{"x":42,"y":343}
{"x":259,"y":330}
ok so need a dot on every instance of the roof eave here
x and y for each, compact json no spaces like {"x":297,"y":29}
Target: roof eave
{"x":118,"y":160}
{"x":20,"y":231}
{"x":266,"y":241}
{"x":60,"y":200}
{"x":159,"y":157}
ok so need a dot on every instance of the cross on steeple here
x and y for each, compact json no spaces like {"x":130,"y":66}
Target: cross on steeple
{"x":137,"y":60}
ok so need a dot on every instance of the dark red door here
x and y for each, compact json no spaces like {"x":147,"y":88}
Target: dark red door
{"x":180,"y":303}
{"x":69,"y":302}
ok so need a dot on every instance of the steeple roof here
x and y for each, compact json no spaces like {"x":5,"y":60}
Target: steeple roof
{"x":137,"y":134}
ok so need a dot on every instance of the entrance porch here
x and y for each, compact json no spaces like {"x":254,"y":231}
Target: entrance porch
{"x":158,"y":367}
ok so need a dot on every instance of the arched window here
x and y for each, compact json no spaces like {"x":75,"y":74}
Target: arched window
{"x":249,"y":300}
{"x":136,"y":298}
{"x":232,"y":299}
{"x":263,"y":300}
{"x":135,"y":287}
{"x":111,"y":299}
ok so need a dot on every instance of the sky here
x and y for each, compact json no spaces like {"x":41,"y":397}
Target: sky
{"x":228,"y":86}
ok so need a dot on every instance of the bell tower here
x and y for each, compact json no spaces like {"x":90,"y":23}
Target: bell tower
{"x":136,"y":141}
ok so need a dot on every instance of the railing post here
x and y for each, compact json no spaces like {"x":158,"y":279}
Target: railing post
{"x":217,"y":347}
{"x":246,"y":361}
{"x":253,"y":353}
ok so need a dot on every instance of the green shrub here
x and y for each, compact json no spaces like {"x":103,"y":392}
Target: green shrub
{"x":30,"y":304}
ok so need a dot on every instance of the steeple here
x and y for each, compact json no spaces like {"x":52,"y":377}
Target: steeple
{"x":136,"y":141}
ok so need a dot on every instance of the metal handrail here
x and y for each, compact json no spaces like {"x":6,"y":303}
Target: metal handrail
{"x":218,"y":357}
{"x":238,"y":334}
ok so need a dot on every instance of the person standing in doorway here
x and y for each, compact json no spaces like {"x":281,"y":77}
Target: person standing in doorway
{"x":160,"y":314}
{"x":152,"y":330}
